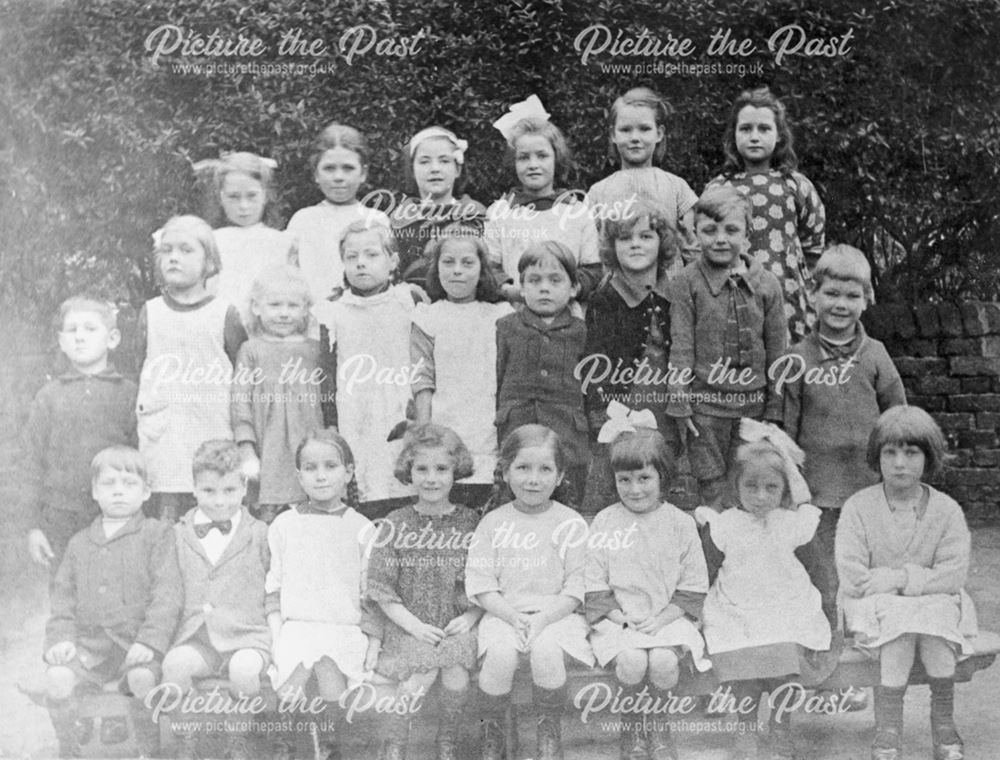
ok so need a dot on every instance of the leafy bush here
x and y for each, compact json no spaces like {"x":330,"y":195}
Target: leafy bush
{"x":900,"y":134}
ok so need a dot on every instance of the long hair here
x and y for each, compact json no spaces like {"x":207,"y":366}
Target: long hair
{"x":783,"y":159}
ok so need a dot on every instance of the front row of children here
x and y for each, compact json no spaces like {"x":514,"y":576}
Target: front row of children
{"x":325,"y":593}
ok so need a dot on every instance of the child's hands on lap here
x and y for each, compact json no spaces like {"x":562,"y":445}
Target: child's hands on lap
{"x":536,"y":624}
{"x":462,"y":624}
{"x":429,"y":634}
{"x":138,"y":654}
{"x":883,"y":580}
{"x":39,"y":549}
{"x":62,"y":653}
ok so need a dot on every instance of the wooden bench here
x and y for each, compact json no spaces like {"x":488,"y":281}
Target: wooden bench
{"x":853,"y":669}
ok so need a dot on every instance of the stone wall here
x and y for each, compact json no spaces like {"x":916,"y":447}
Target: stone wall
{"x":949,"y":357}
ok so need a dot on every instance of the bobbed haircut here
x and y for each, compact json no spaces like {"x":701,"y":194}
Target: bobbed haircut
{"x":201,"y":231}
{"x":644,"y":446}
{"x":760,"y":453}
{"x":908,"y":426}
{"x":541,"y":250}
{"x":430,"y":436}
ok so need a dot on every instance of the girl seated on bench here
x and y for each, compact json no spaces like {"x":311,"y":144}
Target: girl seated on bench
{"x":903,"y":556}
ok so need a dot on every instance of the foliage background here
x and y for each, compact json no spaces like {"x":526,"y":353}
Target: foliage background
{"x":901,"y":135}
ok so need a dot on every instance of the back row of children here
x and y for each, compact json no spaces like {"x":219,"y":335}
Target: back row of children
{"x":324,"y":596}
{"x":468,"y":360}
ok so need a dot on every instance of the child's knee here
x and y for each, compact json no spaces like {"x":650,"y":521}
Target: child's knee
{"x":548,"y":664}
{"x":59,"y":682}
{"x":454,"y":678}
{"x":140,"y":681}
{"x":664,"y":668}
{"x":181,"y":665}
{"x":245,"y":667}
{"x":631,"y":665}
{"x":937,"y":656}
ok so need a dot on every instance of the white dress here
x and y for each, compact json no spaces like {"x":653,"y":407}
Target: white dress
{"x":643,"y":559}
{"x":318,"y":564}
{"x":762,"y":594}
{"x":245,"y":252}
{"x":371,"y":337}
{"x":532,"y":559}
{"x":464,"y":374}
{"x":184,"y":390}
{"x":317,"y":230}
{"x":510,"y":230}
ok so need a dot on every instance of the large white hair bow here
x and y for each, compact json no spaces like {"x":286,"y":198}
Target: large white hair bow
{"x":213,"y":165}
{"x":621,"y":419}
{"x":426,"y":134}
{"x":752,"y":431}
{"x":529,"y":108}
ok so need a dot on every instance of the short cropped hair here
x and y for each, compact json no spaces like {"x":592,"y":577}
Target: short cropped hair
{"x":106,"y":310}
{"x":121,"y":458}
{"x":621,"y":225}
{"x":202,"y":232}
{"x":218,"y":456}
{"x":717,"y":201}
{"x":283,"y":278}
{"x":431,"y":436}
{"x":641,"y":447}
{"x":844,"y":262}
{"x":537,"y":252}
{"x":908,"y":426}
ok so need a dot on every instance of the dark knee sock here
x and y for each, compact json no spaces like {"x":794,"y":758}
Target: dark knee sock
{"x":888,"y":715}
{"x":943,"y":710}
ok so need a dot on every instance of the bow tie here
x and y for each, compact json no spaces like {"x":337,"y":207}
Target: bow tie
{"x":224,"y":526}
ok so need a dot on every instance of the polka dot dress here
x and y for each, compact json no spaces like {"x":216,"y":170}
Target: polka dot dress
{"x":786,"y":232}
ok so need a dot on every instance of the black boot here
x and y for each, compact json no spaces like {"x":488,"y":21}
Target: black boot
{"x":451,"y":708}
{"x":63,"y":714}
{"x":659,"y":740}
{"x":631,"y":739}
{"x":947,"y":743}
{"x":888,"y":742}
{"x":492,"y":710}
{"x":550,"y":704}
{"x":327,"y":743}
{"x":779,"y":734}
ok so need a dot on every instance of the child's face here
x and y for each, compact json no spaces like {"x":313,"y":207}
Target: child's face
{"x":119,"y":493}
{"x":902,"y":465}
{"x":533,"y":476}
{"x":636,"y":135}
{"x":339,"y":173}
{"x":639,"y":251}
{"x":756,"y":136}
{"x":367,"y":264}
{"x":546,"y":287}
{"x":282,"y":313}
{"x":639,"y":490}
{"x":219,"y":496}
{"x":459,"y":269}
{"x":242,"y":199}
{"x":722,"y":241}
{"x":322,"y":473}
{"x":839,"y":304}
{"x":761,"y":488}
{"x":432,"y":473}
{"x":182,"y":260}
{"x":535,"y":164}
{"x":435,"y":168}
{"x":86,"y":340}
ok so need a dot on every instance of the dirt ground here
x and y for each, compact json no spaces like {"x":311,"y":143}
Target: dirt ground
{"x":26,"y":733}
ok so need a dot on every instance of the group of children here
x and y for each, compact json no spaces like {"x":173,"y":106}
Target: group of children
{"x":533,"y":363}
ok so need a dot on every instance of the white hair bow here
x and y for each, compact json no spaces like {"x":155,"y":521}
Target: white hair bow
{"x":426,"y":134}
{"x":529,"y":108}
{"x":157,"y":237}
{"x":214,"y":164}
{"x":621,"y":419}
{"x":752,"y":431}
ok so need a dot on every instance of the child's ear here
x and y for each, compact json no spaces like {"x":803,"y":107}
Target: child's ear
{"x":574,"y":290}
{"x":114,"y":338}
{"x":364,"y":173}
{"x":661,"y":133}
{"x":146,"y":492}
{"x":349,"y":468}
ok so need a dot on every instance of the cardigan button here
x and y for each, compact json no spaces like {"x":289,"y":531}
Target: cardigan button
{"x":206,"y":608}
{"x":544,"y":373}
